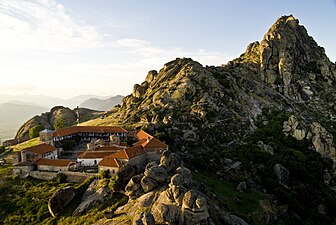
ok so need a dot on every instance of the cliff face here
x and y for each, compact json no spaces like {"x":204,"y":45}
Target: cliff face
{"x":60,"y":113}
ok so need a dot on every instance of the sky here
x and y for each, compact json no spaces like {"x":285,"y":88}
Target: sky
{"x":66,"y":48}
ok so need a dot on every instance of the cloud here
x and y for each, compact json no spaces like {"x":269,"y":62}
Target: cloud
{"x":89,"y":60}
{"x":43,"y":25}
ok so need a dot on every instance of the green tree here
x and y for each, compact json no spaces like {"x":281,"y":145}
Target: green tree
{"x":104,"y":174}
{"x":59,"y":122}
{"x":34,"y":131}
{"x":2,"y":149}
{"x":115,"y":183}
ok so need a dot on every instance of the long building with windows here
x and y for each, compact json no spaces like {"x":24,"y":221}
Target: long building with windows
{"x":88,"y":133}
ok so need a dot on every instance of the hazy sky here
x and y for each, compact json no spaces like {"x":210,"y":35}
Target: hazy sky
{"x":72,"y":47}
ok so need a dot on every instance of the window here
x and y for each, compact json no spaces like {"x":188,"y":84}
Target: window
{"x":113,"y":171}
{"x":95,"y":162}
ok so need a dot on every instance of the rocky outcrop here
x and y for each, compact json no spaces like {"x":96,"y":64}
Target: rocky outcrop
{"x":282,"y":174}
{"x":47,"y":119}
{"x":288,"y":55}
{"x":232,"y":219}
{"x":167,"y":192}
{"x":322,"y":141}
{"x":153,"y":176}
{"x":60,"y":200}
{"x":94,"y":194}
{"x":170,"y":161}
{"x":133,"y":188}
{"x":144,"y":218}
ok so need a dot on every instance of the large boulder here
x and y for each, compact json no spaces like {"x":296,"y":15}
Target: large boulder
{"x":148,"y":184}
{"x":164,"y":212}
{"x":282,"y":174}
{"x":157,"y":173}
{"x":144,"y":218}
{"x":60,"y":200}
{"x":170,"y":161}
{"x":133,"y":188}
{"x":231,"y":219}
{"x":95,"y":193}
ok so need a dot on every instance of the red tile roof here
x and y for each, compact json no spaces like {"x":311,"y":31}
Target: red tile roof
{"x":154,"y":143}
{"x":124,"y":144}
{"x":95,"y":129}
{"x":148,"y":141}
{"x":129,"y":153}
{"x":109,"y":161}
{"x":95,"y":154}
{"x":140,"y":142}
{"x":40,"y":149}
{"x":134,"y":151}
{"x":54,"y":162}
{"x":143,"y":135}
{"x":108,"y":148}
{"x":25,"y":163}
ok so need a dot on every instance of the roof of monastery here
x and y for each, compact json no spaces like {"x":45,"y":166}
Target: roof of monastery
{"x":54,"y":162}
{"x":88,"y":129}
{"x":40,"y":149}
{"x":95,"y":154}
{"x":148,"y":141}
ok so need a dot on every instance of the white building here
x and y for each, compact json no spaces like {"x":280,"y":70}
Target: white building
{"x":45,"y":151}
{"x":92,"y":158}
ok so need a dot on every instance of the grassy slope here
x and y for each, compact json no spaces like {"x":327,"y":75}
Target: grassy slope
{"x":26,"y":144}
{"x":249,"y":201}
{"x":24,"y":201}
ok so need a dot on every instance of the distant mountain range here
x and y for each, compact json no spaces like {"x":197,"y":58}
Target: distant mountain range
{"x":48,"y":101}
{"x":12,"y":115}
{"x":102,"y":104}
{"x":15,"y":110}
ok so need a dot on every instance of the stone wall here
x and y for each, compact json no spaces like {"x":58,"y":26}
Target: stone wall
{"x":41,"y":175}
{"x":78,"y":177}
{"x":75,"y":177}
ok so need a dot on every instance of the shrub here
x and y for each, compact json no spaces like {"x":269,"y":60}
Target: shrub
{"x":34,"y":131}
{"x":61,"y":178}
{"x":104,"y":174}
{"x":115,"y":183}
{"x":2,"y":149}
{"x":59,"y":122}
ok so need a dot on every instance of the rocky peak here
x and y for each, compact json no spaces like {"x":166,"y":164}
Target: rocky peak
{"x":290,"y":58}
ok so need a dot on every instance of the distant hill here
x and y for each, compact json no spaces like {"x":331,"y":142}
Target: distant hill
{"x":102,"y":104}
{"x":47,"y":101}
{"x":48,"y":119}
{"x":12,"y":115}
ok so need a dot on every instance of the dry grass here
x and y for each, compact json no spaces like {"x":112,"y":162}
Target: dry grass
{"x":26,"y":144}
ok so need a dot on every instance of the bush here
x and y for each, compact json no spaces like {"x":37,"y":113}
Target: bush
{"x":115,"y":183}
{"x":2,"y":149}
{"x":34,"y":131}
{"x":59,"y":122}
{"x":61,"y":178}
{"x":104,"y":174}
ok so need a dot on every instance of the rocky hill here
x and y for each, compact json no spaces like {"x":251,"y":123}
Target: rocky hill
{"x":287,"y":70}
{"x":270,"y":114}
{"x":64,"y":115}
{"x":12,"y":115}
